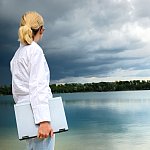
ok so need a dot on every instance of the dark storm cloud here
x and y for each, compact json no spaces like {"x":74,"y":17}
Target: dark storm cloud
{"x":83,"y":38}
{"x":67,"y":65}
{"x":8,"y":45}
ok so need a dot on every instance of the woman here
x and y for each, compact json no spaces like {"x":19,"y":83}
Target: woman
{"x":30,"y":79}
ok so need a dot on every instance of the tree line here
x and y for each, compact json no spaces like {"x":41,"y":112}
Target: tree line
{"x":101,"y":86}
{"x":91,"y":87}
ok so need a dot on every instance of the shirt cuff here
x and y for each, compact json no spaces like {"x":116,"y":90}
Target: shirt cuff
{"x":41,"y":113}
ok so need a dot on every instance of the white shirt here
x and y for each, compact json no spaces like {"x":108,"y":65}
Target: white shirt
{"x":30,"y":80}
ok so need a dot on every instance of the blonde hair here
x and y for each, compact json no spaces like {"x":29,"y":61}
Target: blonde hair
{"x":30,"y":23}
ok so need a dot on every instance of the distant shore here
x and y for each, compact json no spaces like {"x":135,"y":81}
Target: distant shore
{"x":91,"y":87}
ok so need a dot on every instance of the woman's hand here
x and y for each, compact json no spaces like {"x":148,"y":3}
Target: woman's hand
{"x":45,"y":130}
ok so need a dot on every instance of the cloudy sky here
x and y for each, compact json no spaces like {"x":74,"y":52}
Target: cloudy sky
{"x":85,"y":40}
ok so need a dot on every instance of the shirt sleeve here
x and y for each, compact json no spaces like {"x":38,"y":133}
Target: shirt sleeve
{"x":39,"y":87}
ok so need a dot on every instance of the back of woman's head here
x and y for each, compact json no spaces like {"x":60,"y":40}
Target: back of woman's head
{"x":30,"y":23}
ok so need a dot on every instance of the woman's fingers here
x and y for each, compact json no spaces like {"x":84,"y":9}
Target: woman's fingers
{"x":51,"y":133}
{"x":45,"y":130}
{"x":42,"y":134}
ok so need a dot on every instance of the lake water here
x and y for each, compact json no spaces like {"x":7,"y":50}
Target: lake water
{"x":97,"y":121}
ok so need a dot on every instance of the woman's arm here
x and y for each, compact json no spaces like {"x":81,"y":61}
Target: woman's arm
{"x":39,"y":93}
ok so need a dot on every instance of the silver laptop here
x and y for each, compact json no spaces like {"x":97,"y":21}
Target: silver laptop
{"x":25,"y":120}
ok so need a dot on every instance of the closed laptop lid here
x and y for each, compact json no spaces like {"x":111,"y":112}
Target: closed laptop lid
{"x":25,"y":120}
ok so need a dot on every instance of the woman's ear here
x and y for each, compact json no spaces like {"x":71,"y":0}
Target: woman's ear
{"x":41,"y":30}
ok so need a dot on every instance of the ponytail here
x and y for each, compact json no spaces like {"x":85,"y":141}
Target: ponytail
{"x":30,"y":23}
{"x":25,"y":35}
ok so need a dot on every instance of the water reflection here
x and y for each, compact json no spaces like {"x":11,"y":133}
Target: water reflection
{"x":116,"y":105}
{"x":103,"y":122}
